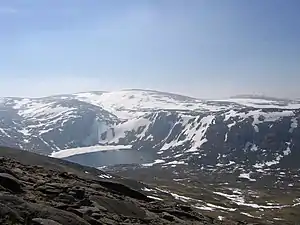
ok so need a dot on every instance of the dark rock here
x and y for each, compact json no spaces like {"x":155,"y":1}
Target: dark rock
{"x":40,"y":221}
{"x":77,"y":192}
{"x":10,"y":213}
{"x":107,"y":221}
{"x":167,"y":216}
{"x":2,"y":188}
{"x":119,"y":207}
{"x":185,"y":208}
{"x":71,"y":199}
{"x":97,"y":216}
{"x":6,"y":170}
{"x":124,"y":190}
{"x":63,"y":206}
{"x":88,"y":210}
{"x":84,"y":202}
{"x":58,"y":185}
{"x":9,"y":182}
{"x":67,"y":175}
{"x":91,"y":220}
{"x":49,"y":190}
{"x":66,"y":198}
{"x":183,"y":215}
{"x":17,"y":171}
{"x":25,"y":209}
{"x":75,"y":211}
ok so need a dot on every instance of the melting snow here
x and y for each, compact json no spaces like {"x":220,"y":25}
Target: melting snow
{"x":4,"y":132}
{"x":76,"y":151}
{"x":239,"y":200}
{"x":246,"y":176}
{"x":176,"y":163}
{"x":287,"y":151}
{"x":294,"y":125}
{"x":206,"y":208}
{"x":131,"y":125}
{"x":256,"y":115}
{"x":107,"y":176}
{"x":25,"y":132}
{"x":247,"y":214}
{"x":157,"y":161}
{"x":45,"y":131}
{"x":220,"y":218}
{"x":178,"y":155}
{"x":254,"y":148}
{"x":181,"y":197}
{"x":148,"y":189}
{"x":220,"y":207}
{"x":155,"y":198}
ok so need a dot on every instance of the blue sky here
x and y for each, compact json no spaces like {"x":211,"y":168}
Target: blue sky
{"x":203,"y":48}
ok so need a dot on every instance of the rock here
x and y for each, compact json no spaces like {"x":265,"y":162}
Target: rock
{"x":88,"y":210}
{"x":67,"y":175}
{"x":66,"y":198}
{"x":77,"y":192}
{"x":17,"y":171}
{"x":24,"y":209}
{"x":100,"y":207}
{"x":85,"y":202}
{"x":10,"y":213}
{"x":75,"y":211}
{"x":107,"y":221}
{"x":6,"y":170}
{"x":71,"y":199}
{"x":151,"y":215}
{"x":167,"y":216}
{"x":49,"y":190}
{"x":9,"y":182}
{"x":96,"y":187}
{"x":119,"y":207}
{"x":91,"y":220}
{"x":58,"y":185}
{"x":124,"y":190}
{"x":2,"y":188}
{"x":40,"y":221}
{"x":185,"y":208}
{"x":96,"y":216}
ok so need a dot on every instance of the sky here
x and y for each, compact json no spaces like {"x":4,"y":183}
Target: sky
{"x":201,"y":48}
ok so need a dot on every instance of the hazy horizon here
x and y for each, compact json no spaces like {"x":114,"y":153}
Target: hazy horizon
{"x":204,"y":49}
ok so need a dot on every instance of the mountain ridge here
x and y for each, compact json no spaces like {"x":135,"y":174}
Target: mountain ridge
{"x":204,"y":153}
{"x":148,"y":120}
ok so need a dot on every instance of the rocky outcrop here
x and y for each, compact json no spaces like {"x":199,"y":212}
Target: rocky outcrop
{"x":48,"y":191}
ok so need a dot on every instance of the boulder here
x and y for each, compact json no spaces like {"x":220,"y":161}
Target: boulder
{"x":40,"y":221}
{"x":10,"y":183}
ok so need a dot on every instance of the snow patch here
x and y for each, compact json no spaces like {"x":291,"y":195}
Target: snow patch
{"x":148,"y":189}
{"x":239,"y":200}
{"x":246,"y":176}
{"x":294,"y":124}
{"x":105,"y":176}
{"x":157,"y":161}
{"x":98,"y":148}
{"x":287,"y":151}
{"x":155,"y":198}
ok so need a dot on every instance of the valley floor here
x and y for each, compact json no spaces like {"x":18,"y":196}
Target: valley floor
{"x":225,"y":195}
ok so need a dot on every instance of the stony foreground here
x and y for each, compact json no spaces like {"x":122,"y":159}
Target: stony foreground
{"x":36,"y":190}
